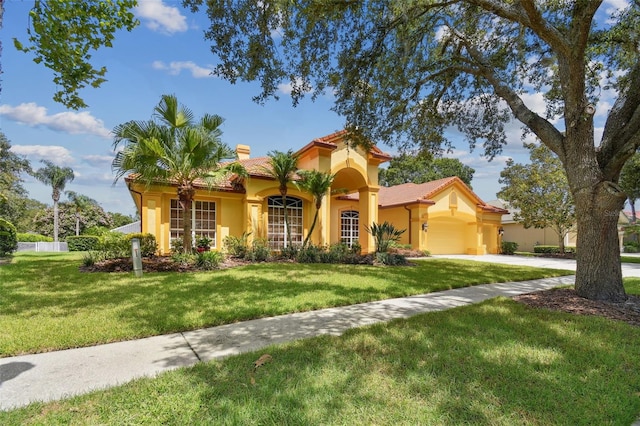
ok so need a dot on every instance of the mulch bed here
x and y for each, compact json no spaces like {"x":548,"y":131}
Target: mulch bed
{"x":153,"y":264}
{"x":566,"y":300}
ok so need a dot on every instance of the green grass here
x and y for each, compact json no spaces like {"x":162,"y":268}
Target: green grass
{"x":498,"y":363}
{"x":629,"y":259}
{"x":48,"y":304}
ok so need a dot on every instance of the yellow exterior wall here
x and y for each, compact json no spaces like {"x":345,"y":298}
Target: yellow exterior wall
{"x":527,"y":239}
{"x":454,"y":224}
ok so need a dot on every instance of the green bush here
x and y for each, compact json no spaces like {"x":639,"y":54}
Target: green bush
{"x":549,"y":249}
{"x":290,"y":252}
{"x":509,"y":247}
{"x":209,"y":260}
{"x":148,"y":244}
{"x":8,"y":238}
{"x":186,"y":259}
{"x":114,"y":245}
{"x":309,"y":254}
{"x":260,"y":250}
{"x":384,"y":235}
{"x":83,"y":242}
{"x":237,"y":246}
{"x":33,"y":238}
{"x":176,"y":245}
{"x":630,"y":248}
{"x":390,"y":259}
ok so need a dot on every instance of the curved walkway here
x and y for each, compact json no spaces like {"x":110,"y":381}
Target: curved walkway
{"x":55,"y":375}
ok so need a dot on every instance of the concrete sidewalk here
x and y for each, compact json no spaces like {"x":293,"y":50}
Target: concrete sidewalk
{"x":56,"y":375}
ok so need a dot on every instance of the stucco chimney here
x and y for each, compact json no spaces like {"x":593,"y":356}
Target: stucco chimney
{"x":243,"y":152}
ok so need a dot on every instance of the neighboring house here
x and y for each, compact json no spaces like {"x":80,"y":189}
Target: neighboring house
{"x":444,"y":216}
{"x":130,"y":228}
{"x":528,"y":238}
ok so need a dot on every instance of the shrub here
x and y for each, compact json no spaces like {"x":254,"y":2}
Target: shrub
{"x":209,"y":260}
{"x":237,"y":246}
{"x":114,"y":245}
{"x":549,"y":249}
{"x":33,"y":238}
{"x":83,"y":242}
{"x":8,"y":238}
{"x":90,"y":258}
{"x":186,"y":259}
{"x":290,"y":252}
{"x":509,"y":247}
{"x":204,"y":242}
{"x":391,"y":259}
{"x":148,"y":245}
{"x":630,"y":248}
{"x":176,"y":245}
{"x":260,"y":251}
{"x":309,"y":254}
{"x":384,"y":235}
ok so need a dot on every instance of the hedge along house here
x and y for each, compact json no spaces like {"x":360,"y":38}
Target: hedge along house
{"x":443,"y":216}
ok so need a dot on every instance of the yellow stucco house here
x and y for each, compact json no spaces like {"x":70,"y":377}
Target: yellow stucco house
{"x":443,"y":216}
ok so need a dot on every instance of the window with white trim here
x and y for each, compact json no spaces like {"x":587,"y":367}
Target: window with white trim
{"x":203,"y":220}
{"x":276,"y":230}
{"x":350,"y":227}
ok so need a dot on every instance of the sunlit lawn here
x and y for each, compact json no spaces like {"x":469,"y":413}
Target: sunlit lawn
{"x":48,"y":304}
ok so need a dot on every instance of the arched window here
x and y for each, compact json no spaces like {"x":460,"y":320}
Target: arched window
{"x":276,"y":231}
{"x":349,"y":227}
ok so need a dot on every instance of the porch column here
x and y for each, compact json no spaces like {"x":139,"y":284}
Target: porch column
{"x":324,"y":220}
{"x":368,"y":206}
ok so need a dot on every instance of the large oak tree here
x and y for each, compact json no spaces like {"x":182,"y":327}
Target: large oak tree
{"x":403,"y":71}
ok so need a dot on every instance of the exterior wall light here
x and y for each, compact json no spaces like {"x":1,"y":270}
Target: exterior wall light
{"x":501,"y":231}
{"x":425,"y":226}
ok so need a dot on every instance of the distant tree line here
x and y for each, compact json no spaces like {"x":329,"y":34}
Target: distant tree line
{"x":76,"y":215}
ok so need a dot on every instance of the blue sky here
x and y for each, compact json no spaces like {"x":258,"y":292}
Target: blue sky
{"x":167,"y":54}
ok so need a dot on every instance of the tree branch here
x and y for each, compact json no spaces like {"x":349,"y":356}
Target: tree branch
{"x":526,"y":13}
{"x":621,"y":135}
{"x":547,"y":133}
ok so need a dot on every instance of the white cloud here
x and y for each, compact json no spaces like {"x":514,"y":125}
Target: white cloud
{"x":99,"y":160}
{"x":175,"y":67}
{"x":34,"y":115}
{"x":615,"y":5}
{"x":160,"y":17}
{"x":58,"y":155}
{"x":287,"y":88}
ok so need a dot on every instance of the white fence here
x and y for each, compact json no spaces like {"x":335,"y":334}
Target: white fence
{"x":59,"y":246}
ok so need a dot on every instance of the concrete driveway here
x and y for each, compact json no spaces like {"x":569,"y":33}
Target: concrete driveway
{"x":628,"y":269}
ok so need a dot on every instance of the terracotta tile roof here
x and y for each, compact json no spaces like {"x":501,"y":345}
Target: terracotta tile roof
{"x":410,"y":193}
{"x":255,"y":166}
{"x":331,"y":142}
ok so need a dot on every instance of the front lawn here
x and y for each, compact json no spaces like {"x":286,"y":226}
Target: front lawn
{"x":497,"y":363}
{"x":48,"y":304}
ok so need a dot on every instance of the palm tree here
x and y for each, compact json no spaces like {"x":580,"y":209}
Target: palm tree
{"x":282,"y":167}
{"x":174,"y":149}
{"x":79,"y":204}
{"x":56,"y":177}
{"x":317,"y":184}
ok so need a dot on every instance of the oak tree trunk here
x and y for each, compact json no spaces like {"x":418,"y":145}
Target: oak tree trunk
{"x":598,"y":273}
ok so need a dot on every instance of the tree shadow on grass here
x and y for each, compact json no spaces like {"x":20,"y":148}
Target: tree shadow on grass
{"x":492,"y":363}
